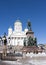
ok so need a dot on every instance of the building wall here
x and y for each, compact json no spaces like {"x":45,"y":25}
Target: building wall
{"x":16,"y":41}
{"x":17,"y":36}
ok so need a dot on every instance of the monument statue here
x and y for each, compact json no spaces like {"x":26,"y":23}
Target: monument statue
{"x":29,"y":25}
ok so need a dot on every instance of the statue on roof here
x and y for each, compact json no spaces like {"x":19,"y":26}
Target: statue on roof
{"x":29,"y":25}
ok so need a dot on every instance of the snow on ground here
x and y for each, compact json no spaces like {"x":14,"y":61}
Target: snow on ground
{"x":27,"y":61}
{"x":36,"y":55}
{"x":38,"y":62}
{"x":30,"y":59}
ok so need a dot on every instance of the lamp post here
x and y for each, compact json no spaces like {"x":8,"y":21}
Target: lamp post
{"x":4,"y":45}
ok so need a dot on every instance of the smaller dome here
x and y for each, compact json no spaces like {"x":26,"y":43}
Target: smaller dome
{"x":9,"y":28}
{"x":26,"y":30}
{"x":9,"y":31}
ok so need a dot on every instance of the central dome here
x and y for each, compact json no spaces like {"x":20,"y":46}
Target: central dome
{"x":18,"y":26}
{"x":17,"y":22}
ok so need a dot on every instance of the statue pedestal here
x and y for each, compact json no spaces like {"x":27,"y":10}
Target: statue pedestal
{"x":30,"y":33}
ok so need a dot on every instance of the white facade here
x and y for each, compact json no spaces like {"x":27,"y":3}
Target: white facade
{"x":16,"y":36}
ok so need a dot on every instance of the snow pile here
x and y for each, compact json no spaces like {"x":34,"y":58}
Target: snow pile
{"x":36,"y":55}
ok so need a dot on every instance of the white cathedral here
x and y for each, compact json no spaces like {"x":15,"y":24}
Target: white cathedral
{"x":17,"y":36}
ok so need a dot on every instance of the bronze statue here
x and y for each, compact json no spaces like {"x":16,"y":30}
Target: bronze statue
{"x":29,"y":25}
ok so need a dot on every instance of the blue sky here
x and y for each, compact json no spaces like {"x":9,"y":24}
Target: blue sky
{"x":35,"y":10}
